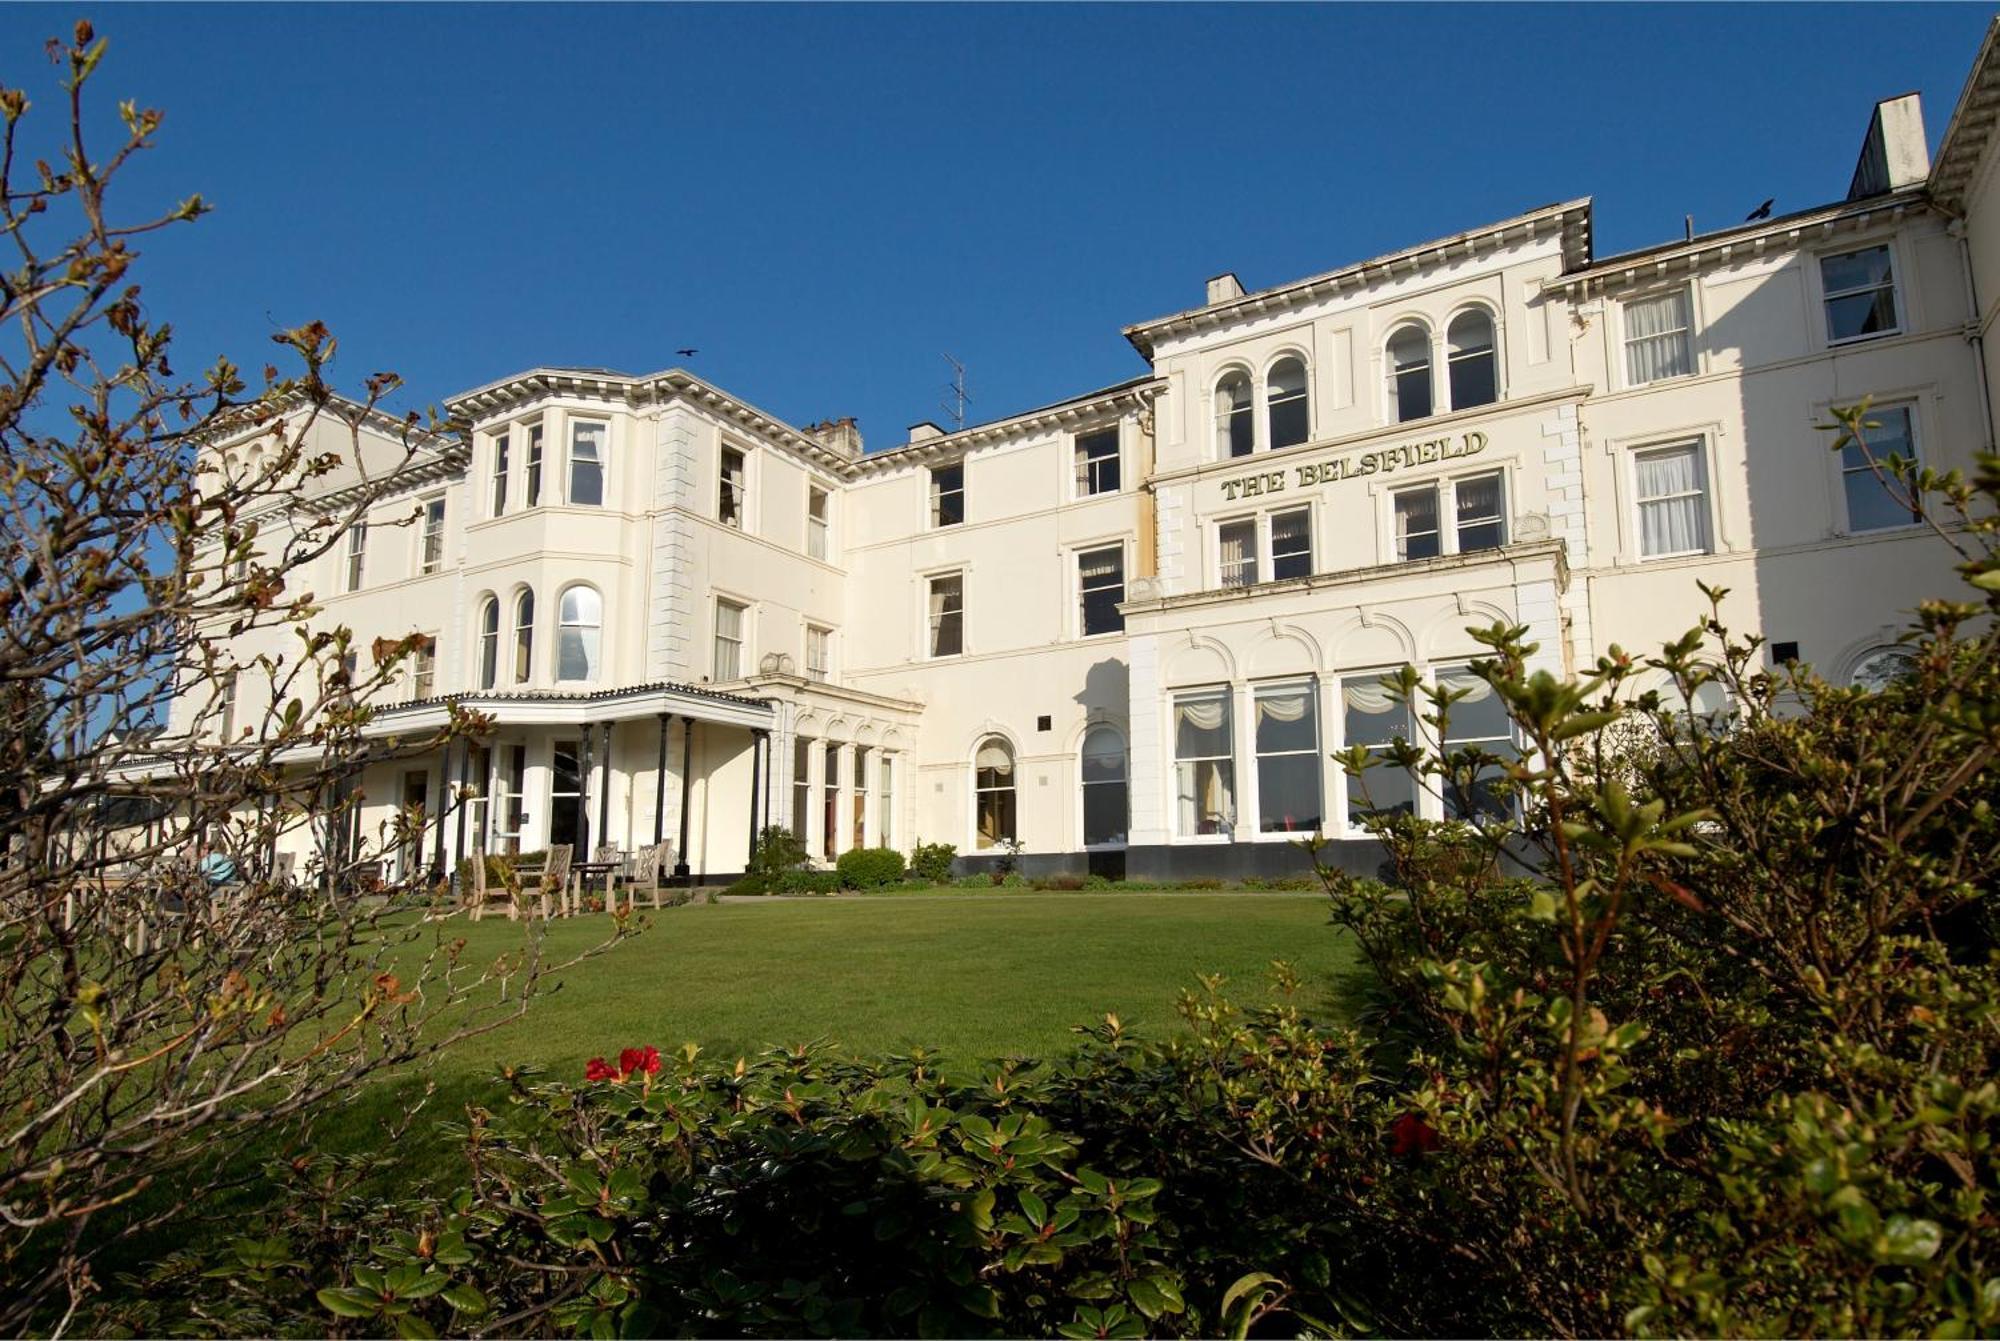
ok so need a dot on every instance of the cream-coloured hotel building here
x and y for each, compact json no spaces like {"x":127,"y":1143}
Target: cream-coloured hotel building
{"x":1126,"y":629}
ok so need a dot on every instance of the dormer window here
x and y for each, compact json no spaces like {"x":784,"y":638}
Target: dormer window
{"x":1286,"y":404}
{"x":1409,"y":353}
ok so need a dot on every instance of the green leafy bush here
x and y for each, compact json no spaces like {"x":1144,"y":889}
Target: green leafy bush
{"x":869,"y":867}
{"x":931,"y":862}
{"x":807,"y":882}
{"x":1064,"y":883}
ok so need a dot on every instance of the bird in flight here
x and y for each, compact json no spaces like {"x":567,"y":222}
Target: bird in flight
{"x":1763,"y":211}
{"x":687,"y":353}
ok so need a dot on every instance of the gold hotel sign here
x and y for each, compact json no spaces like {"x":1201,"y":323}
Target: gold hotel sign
{"x":1308,"y":473}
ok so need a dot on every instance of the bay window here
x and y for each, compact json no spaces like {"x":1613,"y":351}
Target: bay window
{"x":580,"y":620}
{"x":501,"y":442}
{"x":1288,"y":755}
{"x":1204,"y":763}
{"x":534,"y":465}
{"x":1478,"y":722}
{"x":587,"y":442}
{"x":524,"y":635}
{"x":1375,"y":719}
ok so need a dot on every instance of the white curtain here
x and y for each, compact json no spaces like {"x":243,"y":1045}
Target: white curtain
{"x":994,"y":756}
{"x":1096,"y":565}
{"x":944,"y":596}
{"x":1239,"y":553}
{"x":1284,"y":705}
{"x":1476,"y":689}
{"x":1672,"y":519}
{"x":1370,"y":696}
{"x":1203,"y":714}
{"x":1656,"y":338}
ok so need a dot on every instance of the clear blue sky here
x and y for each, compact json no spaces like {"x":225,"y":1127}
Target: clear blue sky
{"x":824,"y":199}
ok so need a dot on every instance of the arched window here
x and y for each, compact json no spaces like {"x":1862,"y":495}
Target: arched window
{"x":1105,"y":813}
{"x":1233,"y":428}
{"x":993,"y":792}
{"x":1409,"y":373}
{"x":1285,"y":399}
{"x":1475,"y":376}
{"x":489,"y":642}
{"x":524,"y":635}
{"x":1879,"y":667}
{"x":579,"y":622}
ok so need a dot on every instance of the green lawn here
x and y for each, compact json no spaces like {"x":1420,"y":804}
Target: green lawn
{"x":968,"y":975}
{"x":971,"y":975}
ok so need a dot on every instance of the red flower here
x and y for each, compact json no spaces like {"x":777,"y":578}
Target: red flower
{"x":1411,"y":1135}
{"x":645,"y":1059}
{"x":599,"y":1069}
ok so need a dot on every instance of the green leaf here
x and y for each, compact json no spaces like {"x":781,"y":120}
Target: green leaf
{"x":1243,"y":1287}
{"x":466,"y":1298}
{"x":348,"y":1303}
{"x":1542,"y":906}
{"x":414,"y":1328}
{"x":1907,"y":1241}
{"x":1034,"y":1208}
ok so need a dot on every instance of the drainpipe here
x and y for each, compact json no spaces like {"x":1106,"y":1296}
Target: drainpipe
{"x":1975,"y":337}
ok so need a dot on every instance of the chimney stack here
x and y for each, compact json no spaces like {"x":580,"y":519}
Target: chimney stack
{"x":1223,"y":288}
{"x":925,"y":431}
{"x":839,"y":436}
{"x":1894,"y":154}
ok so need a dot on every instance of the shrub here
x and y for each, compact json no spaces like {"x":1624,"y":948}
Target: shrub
{"x":807,"y":882}
{"x":1062,"y":883}
{"x":931,"y":862}
{"x":1007,"y":856}
{"x":869,"y":867}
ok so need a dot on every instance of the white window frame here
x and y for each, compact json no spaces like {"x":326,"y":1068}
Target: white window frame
{"x":1083,"y":786}
{"x":1446,"y":487}
{"x":354,"y":557}
{"x":1441,"y":386}
{"x":1434,"y":797}
{"x":741,"y":642}
{"x":1258,"y":565}
{"x":1913,"y":405}
{"x":1219,"y":431}
{"x":423,"y":672}
{"x":1267,"y":526}
{"x":823,"y":672}
{"x":928,"y":633}
{"x":741,"y":490}
{"x":1897,"y":274}
{"x":819,"y":530}
{"x":1265,"y":439}
{"x":595,"y":672}
{"x":1625,"y":337}
{"x":523,"y":671}
{"x":499,"y":480}
{"x":487,"y":644}
{"x":1699,"y":443}
{"x":429,"y":536}
{"x":1171,"y":705}
{"x":533,"y":460}
{"x":1083,"y":474}
{"x":1392,"y":405}
{"x":1076,"y":579}
{"x":603,"y":463}
{"x":1251,"y":789}
{"x":933,"y":495}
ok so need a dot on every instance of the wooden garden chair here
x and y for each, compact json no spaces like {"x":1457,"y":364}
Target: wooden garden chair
{"x":646,"y":875}
{"x":554,"y":878}
{"x":481,"y":893}
{"x":599,"y":855}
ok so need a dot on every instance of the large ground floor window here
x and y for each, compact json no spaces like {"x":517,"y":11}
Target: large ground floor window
{"x":1204,"y":763}
{"x":993,"y":793}
{"x":1375,"y":719}
{"x":566,"y":795}
{"x":1288,"y":759}
{"x":1106,"y":795}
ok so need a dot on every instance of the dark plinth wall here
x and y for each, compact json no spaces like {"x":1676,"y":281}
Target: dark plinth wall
{"x":1194,"y":861}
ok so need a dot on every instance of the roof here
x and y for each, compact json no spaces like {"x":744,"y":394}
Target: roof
{"x":1750,"y":239}
{"x":1568,"y":219}
{"x":1134,"y":391}
{"x":1971,"y":127}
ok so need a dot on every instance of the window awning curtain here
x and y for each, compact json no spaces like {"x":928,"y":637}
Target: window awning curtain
{"x":1370,"y":696}
{"x":1284,"y":705}
{"x":1203,"y":714}
{"x":1476,"y":690}
{"x":994,"y":757}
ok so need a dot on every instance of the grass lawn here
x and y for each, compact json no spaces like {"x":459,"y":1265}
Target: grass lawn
{"x":969,"y":975}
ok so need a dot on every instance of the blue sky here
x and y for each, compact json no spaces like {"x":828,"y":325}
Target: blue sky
{"x":823,"y":200}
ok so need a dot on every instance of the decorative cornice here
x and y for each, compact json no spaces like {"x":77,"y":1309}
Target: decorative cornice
{"x":1971,"y":127}
{"x":1570,"y":220}
{"x":1138,"y":393}
{"x":1651,"y":265}
{"x":1552,"y":552}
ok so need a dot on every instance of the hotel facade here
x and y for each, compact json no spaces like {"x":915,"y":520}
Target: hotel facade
{"x":1126,"y":630}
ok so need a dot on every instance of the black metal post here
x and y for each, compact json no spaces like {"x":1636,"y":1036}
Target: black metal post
{"x":687,"y":772}
{"x":464,"y":780}
{"x":604,"y":795}
{"x":756,"y":783}
{"x":583,"y":796}
{"x":660,"y":790}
